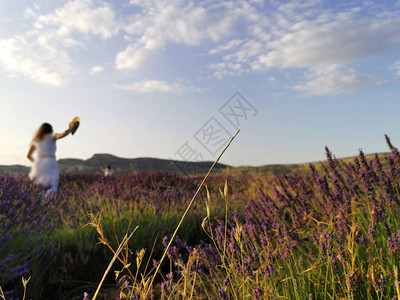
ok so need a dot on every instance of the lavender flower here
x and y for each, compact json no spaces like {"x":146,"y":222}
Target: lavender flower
{"x":393,"y":243}
{"x":126,"y":284}
{"x":258,"y":293}
{"x":380,"y":284}
{"x":352,"y":280}
{"x":222,"y":294}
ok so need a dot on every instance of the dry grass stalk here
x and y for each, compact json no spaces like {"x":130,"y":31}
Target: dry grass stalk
{"x":121,"y":246}
{"x":185,"y":213}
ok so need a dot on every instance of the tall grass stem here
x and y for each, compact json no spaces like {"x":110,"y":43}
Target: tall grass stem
{"x":186,"y":211}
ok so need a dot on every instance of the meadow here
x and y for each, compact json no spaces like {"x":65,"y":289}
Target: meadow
{"x":329,"y":233}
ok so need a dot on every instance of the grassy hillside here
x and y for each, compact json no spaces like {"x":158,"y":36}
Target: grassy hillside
{"x":291,"y":169}
{"x":121,"y":165}
{"x":126,"y":166}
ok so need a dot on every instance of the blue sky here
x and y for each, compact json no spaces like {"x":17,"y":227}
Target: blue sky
{"x":146,"y":75}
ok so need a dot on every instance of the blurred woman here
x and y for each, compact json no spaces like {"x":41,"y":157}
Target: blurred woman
{"x":108,"y":171}
{"x":44,"y":169}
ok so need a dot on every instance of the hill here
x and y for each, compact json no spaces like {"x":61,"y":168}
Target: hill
{"x":121,"y":165}
{"x":291,"y":169}
{"x":127,"y":165}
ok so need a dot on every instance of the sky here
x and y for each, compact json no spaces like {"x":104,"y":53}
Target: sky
{"x":176,"y":79}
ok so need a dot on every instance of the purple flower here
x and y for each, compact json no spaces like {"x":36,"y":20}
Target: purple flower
{"x":164,"y":287}
{"x":258,"y":293}
{"x":326,"y":242}
{"x":269,"y":269}
{"x":393,"y":243}
{"x":334,"y":259}
{"x":154,"y":263}
{"x":380,"y":284}
{"x":353,"y":281}
{"x":165,"y":241}
{"x":170,"y":276}
{"x":222,"y":294}
{"x":378,"y":212}
{"x":227,"y":282}
{"x":247,"y":269}
{"x":371,"y":234}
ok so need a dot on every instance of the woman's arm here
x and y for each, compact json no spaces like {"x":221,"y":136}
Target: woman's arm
{"x":30,"y":152}
{"x":58,"y":136}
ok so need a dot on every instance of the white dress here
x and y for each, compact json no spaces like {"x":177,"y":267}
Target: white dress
{"x":108,"y":172}
{"x":44,"y":170}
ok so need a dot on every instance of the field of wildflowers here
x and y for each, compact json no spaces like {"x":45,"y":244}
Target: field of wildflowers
{"x":331,"y":234}
{"x":51,"y":243}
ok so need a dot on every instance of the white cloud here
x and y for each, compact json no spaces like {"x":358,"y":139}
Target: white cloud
{"x":29,"y":13}
{"x":176,"y":21}
{"x":337,"y":42}
{"x":38,"y":60}
{"x":42,"y":54}
{"x":226,"y":69}
{"x":96,"y":69}
{"x":241,"y":36}
{"x":147,"y":86}
{"x":136,"y":55}
{"x":332,"y":80}
{"x":324,"y":43}
{"x":396,"y":68}
{"x":247,"y":52}
{"x":228,"y":46}
{"x":80,"y":16}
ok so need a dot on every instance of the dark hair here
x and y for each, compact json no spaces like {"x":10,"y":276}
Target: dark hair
{"x":45,"y":128}
{"x":108,"y":167}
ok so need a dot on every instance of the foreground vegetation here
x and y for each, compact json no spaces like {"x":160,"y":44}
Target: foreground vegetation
{"x":52,"y":244}
{"x":331,"y":234}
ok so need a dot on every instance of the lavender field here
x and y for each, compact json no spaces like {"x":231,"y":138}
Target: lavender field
{"x":331,"y":234}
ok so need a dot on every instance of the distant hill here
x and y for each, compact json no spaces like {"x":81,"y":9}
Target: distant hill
{"x":121,"y":165}
{"x":14,"y":169}
{"x":127,"y":165}
{"x":291,"y":169}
